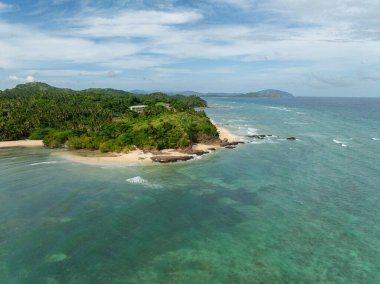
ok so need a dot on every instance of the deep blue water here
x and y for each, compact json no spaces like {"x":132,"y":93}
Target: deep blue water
{"x":271,"y":211}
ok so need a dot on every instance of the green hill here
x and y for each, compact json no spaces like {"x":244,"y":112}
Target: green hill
{"x":269,"y":93}
{"x":102,"y":119}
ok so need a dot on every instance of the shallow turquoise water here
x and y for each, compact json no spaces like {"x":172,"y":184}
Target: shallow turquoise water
{"x":273,"y":211}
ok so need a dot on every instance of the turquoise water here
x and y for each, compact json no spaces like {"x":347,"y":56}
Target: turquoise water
{"x":272,"y":211}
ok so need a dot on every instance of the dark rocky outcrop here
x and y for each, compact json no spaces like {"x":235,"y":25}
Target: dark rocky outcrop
{"x":170,"y":159}
{"x":190,"y":151}
{"x":199,"y":152}
{"x":225,"y":143}
{"x":291,"y":138}
{"x":258,"y":136}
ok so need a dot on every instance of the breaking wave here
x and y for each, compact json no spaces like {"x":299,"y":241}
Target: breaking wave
{"x":44,"y":163}
{"x":341,"y":143}
{"x":281,"y":108}
{"x":141,"y":181}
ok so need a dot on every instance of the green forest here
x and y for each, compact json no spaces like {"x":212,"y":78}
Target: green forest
{"x":101,"y":119}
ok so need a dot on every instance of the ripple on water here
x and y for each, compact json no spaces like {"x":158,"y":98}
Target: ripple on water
{"x":57,"y":257}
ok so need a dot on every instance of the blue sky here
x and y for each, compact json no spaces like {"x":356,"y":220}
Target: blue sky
{"x":326,"y":48}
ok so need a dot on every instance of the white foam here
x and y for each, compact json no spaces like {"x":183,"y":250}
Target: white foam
{"x":376,"y":139}
{"x":263,"y":141}
{"x":235,"y":120}
{"x":340,"y":143}
{"x":137,"y":180}
{"x":144,"y":182}
{"x":252,"y":131}
{"x":281,"y":108}
{"x":44,"y":163}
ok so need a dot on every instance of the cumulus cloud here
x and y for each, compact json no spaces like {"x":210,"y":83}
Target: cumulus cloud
{"x":30,"y":79}
{"x":296,"y":32}
{"x":131,"y":23}
{"x":13,"y":78}
{"x":27,"y":79}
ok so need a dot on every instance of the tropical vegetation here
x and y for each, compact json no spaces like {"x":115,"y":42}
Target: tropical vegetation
{"x":101,"y":119}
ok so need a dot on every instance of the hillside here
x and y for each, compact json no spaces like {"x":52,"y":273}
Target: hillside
{"x":269,"y":93}
{"x":101,"y":118}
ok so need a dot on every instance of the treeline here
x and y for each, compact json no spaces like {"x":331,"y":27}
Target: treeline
{"x":101,"y":118}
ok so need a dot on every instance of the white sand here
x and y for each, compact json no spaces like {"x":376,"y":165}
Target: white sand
{"x":133,"y":157}
{"x":21,"y":143}
{"x":226,"y":134}
{"x":141,"y":158}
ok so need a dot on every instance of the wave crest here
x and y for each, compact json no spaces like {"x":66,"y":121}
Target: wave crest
{"x":341,"y":143}
{"x":44,"y":163}
{"x":142,"y":181}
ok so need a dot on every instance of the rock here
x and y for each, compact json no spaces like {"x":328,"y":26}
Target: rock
{"x":226,"y":143}
{"x":257,"y":136}
{"x":170,"y":159}
{"x":291,"y":138}
{"x":199,"y":152}
{"x":230,"y":147}
{"x":211,"y":149}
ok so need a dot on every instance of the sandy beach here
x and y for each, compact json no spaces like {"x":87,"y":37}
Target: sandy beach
{"x":226,"y":134}
{"x":140,"y":157}
{"x":134,"y":157}
{"x":21,"y":143}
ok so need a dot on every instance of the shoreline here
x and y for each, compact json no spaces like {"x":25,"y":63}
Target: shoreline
{"x":139,"y":157}
{"x":21,"y":143}
{"x":136,"y":157}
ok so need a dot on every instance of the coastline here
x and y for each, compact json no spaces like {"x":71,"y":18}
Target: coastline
{"x":139,"y":157}
{"x":21,"y":143}
{"x":136,"y":157}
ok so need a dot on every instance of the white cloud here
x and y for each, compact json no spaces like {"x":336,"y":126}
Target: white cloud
{"x":242,"y":4}
{"x":162,"y":39}
{"x":30,"y":79}
{"x":5,"y":7}
{"x":319,"y":36}
{"x":13,"y":78}
{"x":359,"y":18}
{"x":27,"y":79}
{"x":131,"y":23}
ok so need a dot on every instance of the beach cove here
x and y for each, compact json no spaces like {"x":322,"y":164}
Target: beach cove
{"x":269,"y":210}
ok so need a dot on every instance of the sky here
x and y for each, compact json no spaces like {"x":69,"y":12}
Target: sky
{"x":308,"y":48}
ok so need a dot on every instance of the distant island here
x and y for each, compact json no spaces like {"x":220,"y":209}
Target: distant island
{"x":107,"y":120}
{"x":268,"y":93}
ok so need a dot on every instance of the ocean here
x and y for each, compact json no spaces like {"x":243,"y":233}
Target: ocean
{"x":269,"y":211}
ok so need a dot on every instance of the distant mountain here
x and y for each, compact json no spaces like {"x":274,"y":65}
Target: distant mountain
{"x":186,"y":93}
{"x":140,"y":92}
{"x":269,"y":93}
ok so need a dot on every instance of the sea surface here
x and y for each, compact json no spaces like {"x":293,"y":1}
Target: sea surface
{"x":269,"y":211}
